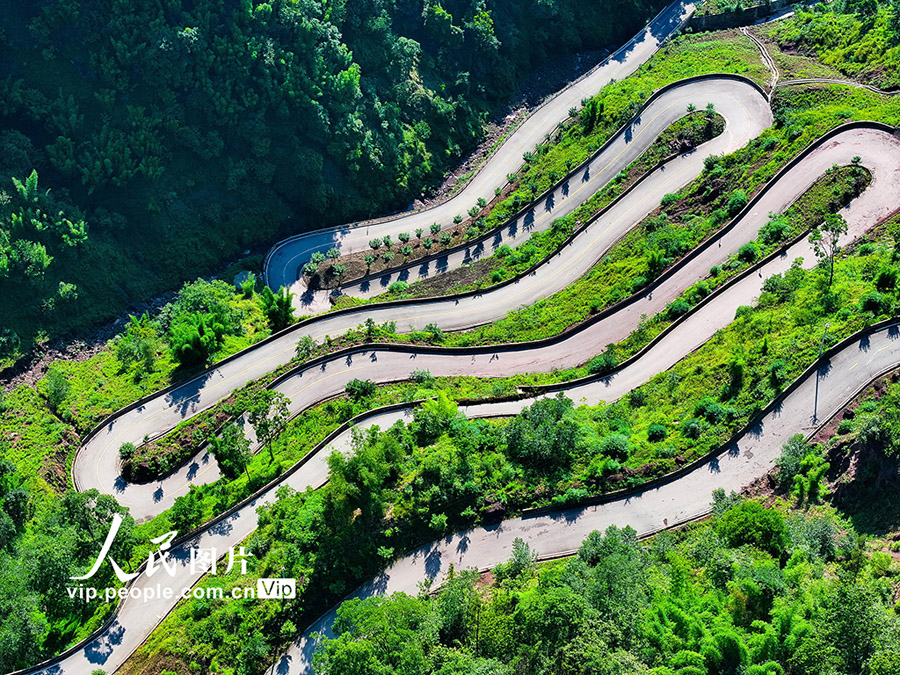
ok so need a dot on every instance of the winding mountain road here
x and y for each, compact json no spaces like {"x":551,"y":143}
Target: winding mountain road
{"x":285,"y":260}
{"x":882,"y":152}
{"x":746,"y":114}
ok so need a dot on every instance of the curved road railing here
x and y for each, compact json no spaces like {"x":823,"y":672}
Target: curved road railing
{"x":505,"y":160}
{"x":250,"y":504}
{"x":118,"y":621}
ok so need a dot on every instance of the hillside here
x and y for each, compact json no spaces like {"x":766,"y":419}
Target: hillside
{"x":173,"y":136}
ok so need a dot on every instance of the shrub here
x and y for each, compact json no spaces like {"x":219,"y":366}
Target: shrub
{"x":637,"y":397}
{"x":656,"y":433}
{"x":875,"y":302}
{"x":711,"y":162}
{"x":736,"y":202}
{"x":749,"y":252}
{"x":602,"y":363}
{"x":403,"y":236}
{"x":668,"y":199}
{"x":677,"y":308}
{"x":692,"y":428}
{"x":777,"y":229}
{"x":712,"y":411}
{"x":435,"y":333}
{"x":56,"y":388}
{"x":751,"y":523}
{"x":886,"y":279}
{"x":768,"y":143}
{"x":790,"y":459}
{"x":743,"y":310}
{"x":545,"y":434}
{"x":423,"y":377}
{"x":398,"y":287}
{"x":375,"y":244}
{"x":126,"y":451}
{"x":616,"y":446}
{"x":845,"y":427}
{"x":358,"y":389}
{"x":777,"y":373}
{"x":503,"y":251}
{"x":305,"y":347}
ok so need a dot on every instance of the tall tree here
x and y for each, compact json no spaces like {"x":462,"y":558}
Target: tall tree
{"x":268,"y":414}
{"x":825,"y":240}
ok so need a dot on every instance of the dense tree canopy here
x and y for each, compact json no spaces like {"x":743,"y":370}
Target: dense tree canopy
{"x":216,"y":122}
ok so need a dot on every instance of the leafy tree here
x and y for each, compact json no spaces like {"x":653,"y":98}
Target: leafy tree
{"x":248,"y":286}
{"x":187,"y":511}
{"x":305,"y":347}
{"x":268,"y":413}
{"x":358,"y":389}
{"x":751,"y":523}
{"x":126,"y":451}
{"x":434,"y":332}
{"x":434,"y":417}
{"x":231,"y":448}
{"x":423,"y":377}
{"x":139,"y":344}
{"x":544,"y":435}
{"x":825,"y":240}
{"x":278,"y":308}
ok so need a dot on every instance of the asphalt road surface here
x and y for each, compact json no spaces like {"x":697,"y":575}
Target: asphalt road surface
{"x":288,"y":257}
{"x":847,"y":372}
{"x":747,"y":114}
{"x":96,"y":463}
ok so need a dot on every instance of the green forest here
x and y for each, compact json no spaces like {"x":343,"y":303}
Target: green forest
{"x":756,"y":591}
{"x":142,"y":144}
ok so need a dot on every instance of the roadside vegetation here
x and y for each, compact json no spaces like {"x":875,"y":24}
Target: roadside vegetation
{"x":802,"y":114}
{"x":413,"y":483}
{"x":686,"y":133}
{"x":857,"y":38}
{"x":178,"y":147}
{"x":587,"y":129}
{"x":756,"y":590}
